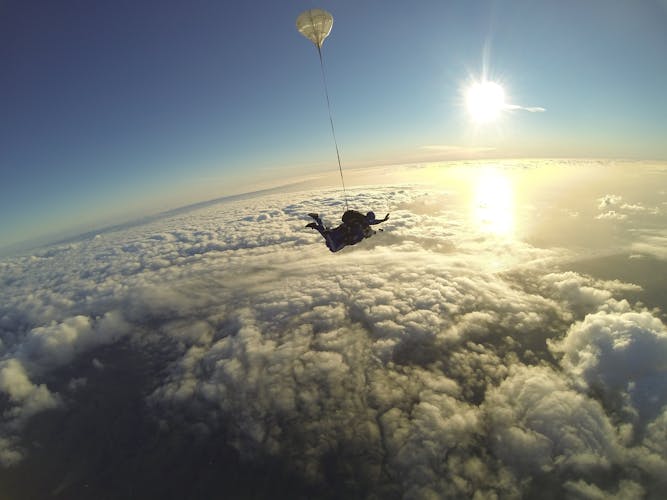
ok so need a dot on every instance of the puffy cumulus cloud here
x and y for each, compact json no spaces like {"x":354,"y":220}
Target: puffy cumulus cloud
{"x":24,"y":399}
{"x":609,"y":200}
{"x":541,"y":425}
{"x":547,"y":432}
{"x":619,"y":355}
{"x":27,"y":397}
{"x":58,"y":343}
{"x":320,"y":392}
{"x":612,"y":207}
{"x":390,"y":371}
{"x":611,"y":215}
{"x":39,"y":351}
{"x":583,"y":294}
{"x":430,"y":361}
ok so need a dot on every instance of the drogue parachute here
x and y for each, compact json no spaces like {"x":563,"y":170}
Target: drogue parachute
{"x":315,"y":25}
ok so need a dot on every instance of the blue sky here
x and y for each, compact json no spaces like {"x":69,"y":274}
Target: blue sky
{"x":113,"y":109}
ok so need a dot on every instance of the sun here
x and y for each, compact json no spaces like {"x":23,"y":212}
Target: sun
{"x":485,"y":101}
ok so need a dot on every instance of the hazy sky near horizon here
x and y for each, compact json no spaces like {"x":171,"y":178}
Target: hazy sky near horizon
{"x":109,"y":108}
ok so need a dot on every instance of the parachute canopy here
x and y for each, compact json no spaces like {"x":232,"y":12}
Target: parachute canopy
{"x":315,"y":25}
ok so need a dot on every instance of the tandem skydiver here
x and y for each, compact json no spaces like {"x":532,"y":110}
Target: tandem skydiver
{"x":355,"y":227}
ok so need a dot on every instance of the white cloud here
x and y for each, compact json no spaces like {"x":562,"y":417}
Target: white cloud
{"x":620,"y":355}
{"x":609,"y":200}
{"x":25,"y":398}
{"x":530,"y":109}
{"x":414,"y":365}
{"x":539,"y":424}
{"x":611,"y":215}
{"x":612,"y":207}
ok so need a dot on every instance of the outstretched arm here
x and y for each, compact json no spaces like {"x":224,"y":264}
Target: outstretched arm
{"x":377,"y":221}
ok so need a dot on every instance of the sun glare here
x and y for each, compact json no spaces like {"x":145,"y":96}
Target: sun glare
{"x":485,"y":101}
{"x":493,"y":203}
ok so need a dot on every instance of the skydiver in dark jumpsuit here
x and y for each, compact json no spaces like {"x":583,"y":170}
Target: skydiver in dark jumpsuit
{"x":355,"y":228}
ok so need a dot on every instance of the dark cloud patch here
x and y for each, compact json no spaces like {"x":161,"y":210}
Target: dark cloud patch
{"x":103,"y":443}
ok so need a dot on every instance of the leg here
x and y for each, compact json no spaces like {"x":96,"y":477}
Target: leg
{"x":317,"y":224}
{"x":320,"y":228}
{"x":317,"y":219}
{"x":332,"y":244}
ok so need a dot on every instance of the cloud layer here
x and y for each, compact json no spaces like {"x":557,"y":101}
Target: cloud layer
{"x":429,"y":361}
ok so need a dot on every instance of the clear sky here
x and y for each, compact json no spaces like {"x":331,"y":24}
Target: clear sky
{"x":111,"y":109}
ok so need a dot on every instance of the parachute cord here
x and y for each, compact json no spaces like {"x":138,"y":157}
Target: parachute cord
{"x":333,"y":132}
